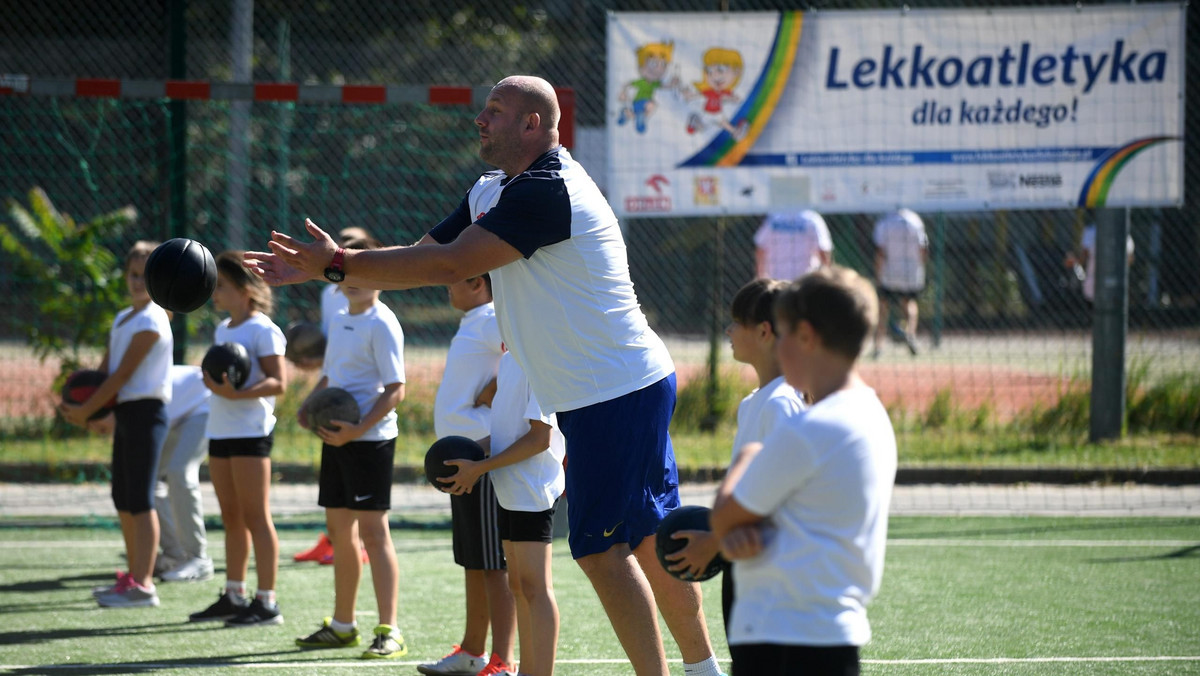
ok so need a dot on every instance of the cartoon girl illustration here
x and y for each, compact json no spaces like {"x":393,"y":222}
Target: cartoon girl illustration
{"x":722,"y":71}
{"x":637,"y":97}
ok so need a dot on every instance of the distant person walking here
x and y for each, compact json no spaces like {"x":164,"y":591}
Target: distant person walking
{"x":901,"y":250}
{"x":789,"y":244}
{"x":1087,"y":259}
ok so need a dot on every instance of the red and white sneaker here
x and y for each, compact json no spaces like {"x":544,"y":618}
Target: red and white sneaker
{"x":498,"y":667}
{"x":122,"y":583}
{"x":458,"y":663}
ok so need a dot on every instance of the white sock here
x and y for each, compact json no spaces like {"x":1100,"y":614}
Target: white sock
{"x":267,"y":596}
{"x":236,"y":587}
{"x":342,"y":627}
{"x":708,"y":667}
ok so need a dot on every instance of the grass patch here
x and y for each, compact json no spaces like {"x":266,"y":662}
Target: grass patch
{"x":984,"y":588}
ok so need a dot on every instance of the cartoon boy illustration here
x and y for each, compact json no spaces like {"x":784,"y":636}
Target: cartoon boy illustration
{"x":722,"y":71}
{"x":637,"y":97}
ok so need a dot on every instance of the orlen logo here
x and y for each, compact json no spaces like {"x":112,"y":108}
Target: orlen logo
{"x":658,"y":202}
{"x":1041,"y":180}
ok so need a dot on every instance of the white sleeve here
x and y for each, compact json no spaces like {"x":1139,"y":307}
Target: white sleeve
{"x":780,"y":468}
{"x":269,"y":342}
{"x":388,"y":345}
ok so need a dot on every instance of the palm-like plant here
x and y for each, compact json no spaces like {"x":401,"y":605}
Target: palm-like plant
{"x":61,"y":269}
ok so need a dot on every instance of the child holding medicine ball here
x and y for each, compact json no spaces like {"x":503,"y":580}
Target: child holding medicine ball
{"x":804,"y":515}
{"x":240,"y":430}
{"x":364,"y":356}
{"x":137,"y":362}
{"x":753,"y":337}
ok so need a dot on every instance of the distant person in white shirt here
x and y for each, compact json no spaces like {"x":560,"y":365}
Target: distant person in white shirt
{"x":1087,"y":259}
{"x":525,"y":462}
{"x":803,"y":515}
{"x":901,"y":250}
{"x":791,"y":243}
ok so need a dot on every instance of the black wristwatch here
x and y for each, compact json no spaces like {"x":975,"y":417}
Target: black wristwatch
{"x":334,"y":272}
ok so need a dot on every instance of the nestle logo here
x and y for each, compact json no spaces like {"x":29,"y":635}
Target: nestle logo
{"x":1041,"y":180}
{"x":1001,"y":179}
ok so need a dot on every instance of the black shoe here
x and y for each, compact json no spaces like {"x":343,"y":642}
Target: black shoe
{"x":256,"y":614}
{"x":911,"y":341}
{"x":227,"y":607}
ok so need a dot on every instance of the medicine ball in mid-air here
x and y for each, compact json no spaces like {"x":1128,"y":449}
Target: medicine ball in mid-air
{"x":181,"y":274}
{"x":449,"y":448}
{"x":305,"y":342}
{"x":331,"y":403}
{"x":690,"y":517}
{"x":81,"y":385}
{"x":229,"y":359}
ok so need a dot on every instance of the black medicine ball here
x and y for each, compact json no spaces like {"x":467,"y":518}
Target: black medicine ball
{"x":181,"y":274}
{"x":230,"y":359}
{"x":691,"y":517}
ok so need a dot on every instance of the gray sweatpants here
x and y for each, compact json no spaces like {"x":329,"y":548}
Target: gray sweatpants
{"x":177,"y":494}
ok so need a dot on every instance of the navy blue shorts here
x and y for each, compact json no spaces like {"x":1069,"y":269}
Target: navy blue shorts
{"x":139,"y":433}
{"x":621,"y":475}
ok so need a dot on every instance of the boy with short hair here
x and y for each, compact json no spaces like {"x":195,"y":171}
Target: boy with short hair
{"x":815,"y":491}
{"x":525,"y":461}
{"x":462,"y":408}
{"x":364,"y":356}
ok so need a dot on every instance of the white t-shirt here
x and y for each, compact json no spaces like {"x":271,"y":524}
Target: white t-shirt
{"x":763,"y":410}
{"x":533,"y":484}
{"x":824,"y":481}
{"x":471,"y":362}
{"x":901,"y":236}
{"x":246,"y":418}
{"x":567,"y":309}
{"x":364,"y":352}
{"x":333,"y":303}
{"x":189,"y":395}
{"x":791,"y":241}
{"x":151,"y":379}
{"x":1088,"y":243}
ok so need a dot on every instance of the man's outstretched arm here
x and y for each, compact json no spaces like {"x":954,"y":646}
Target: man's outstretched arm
{"x":427,"y":263}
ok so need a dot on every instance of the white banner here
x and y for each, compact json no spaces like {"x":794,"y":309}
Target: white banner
{"x":1014,"y":108}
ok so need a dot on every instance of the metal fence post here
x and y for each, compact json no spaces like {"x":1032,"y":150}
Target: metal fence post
{"x":1111,"y":320}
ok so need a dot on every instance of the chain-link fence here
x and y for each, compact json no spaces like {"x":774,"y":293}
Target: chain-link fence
{"x":1004,"y":328}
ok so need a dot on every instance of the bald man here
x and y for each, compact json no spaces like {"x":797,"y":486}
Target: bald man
{"x":568,"y":312}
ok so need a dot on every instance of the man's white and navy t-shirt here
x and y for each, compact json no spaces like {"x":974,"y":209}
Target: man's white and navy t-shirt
{"x":246,"y":418}
{"x":471,"y":362}
{"x":567,"y":310}
{"x":365,"y":352}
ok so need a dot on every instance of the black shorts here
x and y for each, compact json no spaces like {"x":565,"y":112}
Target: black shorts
{"x":770,"y":659}
{"x":475,"y":535}
{"x":357,"y":476}
{"x":527,"y":526}
{"x":246,"y":447}
{"x":887,"y":295}
{"x":138,"y":436}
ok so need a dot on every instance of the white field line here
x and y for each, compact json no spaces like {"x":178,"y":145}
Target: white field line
{"x":905,"y":542}
{"x":359,"y":664}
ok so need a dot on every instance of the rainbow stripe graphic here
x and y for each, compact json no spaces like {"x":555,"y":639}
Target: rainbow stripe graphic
{"x":1095,"y":188}
{"x":725,"y":150}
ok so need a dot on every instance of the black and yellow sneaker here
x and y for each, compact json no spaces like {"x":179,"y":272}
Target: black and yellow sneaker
{"x":328,"y":637}
{"x":388,"y":644}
